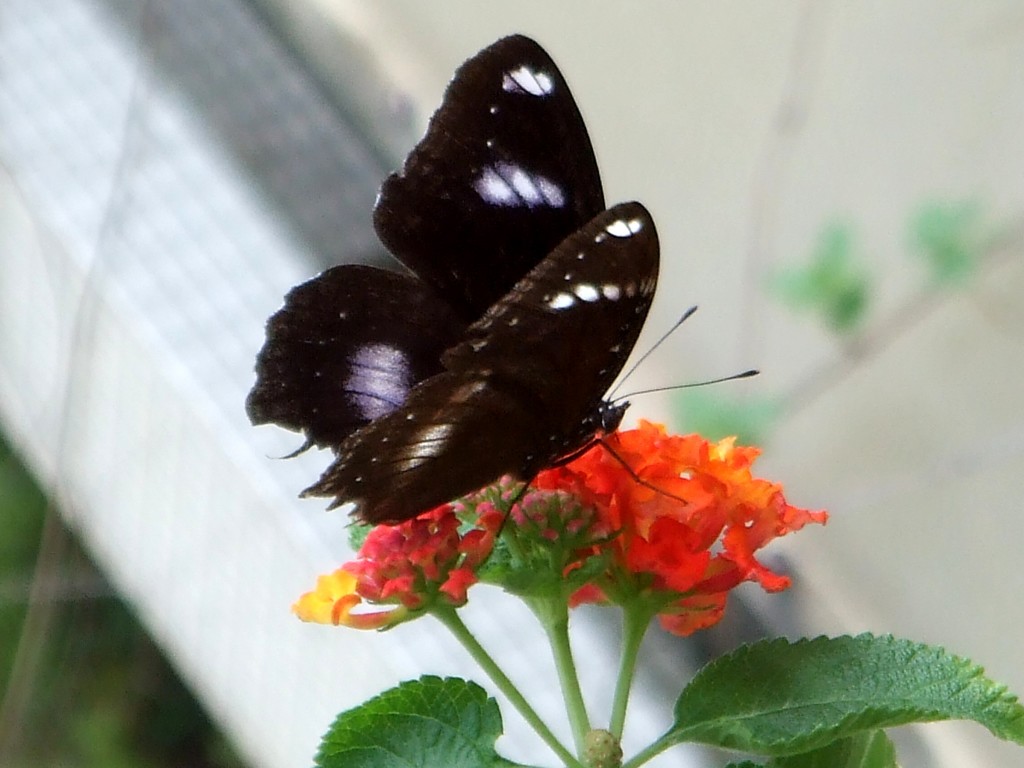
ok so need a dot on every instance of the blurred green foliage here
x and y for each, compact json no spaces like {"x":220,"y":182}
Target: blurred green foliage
{"x":834,"y":283}
{"x":101,"y":695}
{"x":951,"y":239}
{"x":715,"y":415}
{"x":22,"y":507}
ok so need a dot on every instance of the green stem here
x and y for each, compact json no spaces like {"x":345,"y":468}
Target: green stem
{"x":511,"y":538}
{"x":455,"y":625}
{"x":635,"y":620}
{"x":554,"y":617}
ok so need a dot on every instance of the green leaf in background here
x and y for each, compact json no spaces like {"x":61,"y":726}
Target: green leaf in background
{"x":870,"y":749}
{"x":427,"y":722}
{"x":834,"y":284}
{"x":781,"y":698}
{"x":950,"y":239}
{"x":714,"y":415}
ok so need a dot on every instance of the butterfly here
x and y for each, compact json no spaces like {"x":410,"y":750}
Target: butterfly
{"x":492,"y":354}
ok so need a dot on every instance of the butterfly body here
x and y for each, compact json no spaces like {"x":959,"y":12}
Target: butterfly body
{"x":526,"y":301}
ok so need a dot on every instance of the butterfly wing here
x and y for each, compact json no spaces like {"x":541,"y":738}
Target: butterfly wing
{"x":346,"y":348}
{"x":565,"y":330}
{"x":521,"y":389}
{"x":504,"y":173}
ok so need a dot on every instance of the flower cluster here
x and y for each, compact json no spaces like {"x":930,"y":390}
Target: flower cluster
{"x":689,"y":515}
{"x":667,"y":521}
{"x":410,"y":566}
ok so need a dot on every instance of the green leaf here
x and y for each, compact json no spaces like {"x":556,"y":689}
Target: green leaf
{"x":870,"y":749}
{"x":427,"y":722}
{"x":949,"y":237}
{"x":834,"y":283}
{"x":782,"y":698}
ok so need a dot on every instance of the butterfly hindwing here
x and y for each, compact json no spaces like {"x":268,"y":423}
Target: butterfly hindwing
{"x":505,"y":171}
{"x":346,"y":348}
{"x":522,"y":388}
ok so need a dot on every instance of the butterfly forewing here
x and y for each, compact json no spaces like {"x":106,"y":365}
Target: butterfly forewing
{"x":346,"y":348}
{"x":503,"y":174}
{"x":579,"y":313}
{"x":522,"y":388}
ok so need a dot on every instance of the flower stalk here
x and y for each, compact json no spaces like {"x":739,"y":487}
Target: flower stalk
{"x":554,"y":618}
{"x":635,"y":620}
{"x":455,"y":625}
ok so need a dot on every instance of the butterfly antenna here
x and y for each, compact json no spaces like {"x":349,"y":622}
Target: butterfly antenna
{"x":632,"y":473}
{"x":515,"y":500}
{"x":733,"y":377}
{"x":650,"y":351}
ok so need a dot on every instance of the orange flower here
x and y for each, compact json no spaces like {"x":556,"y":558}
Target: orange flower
{"x":333,"y":600}
{"x":687,"y":533}
{"x":410,"y":566}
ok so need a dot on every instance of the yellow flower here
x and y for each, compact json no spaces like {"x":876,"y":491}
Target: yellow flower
{"x":333,"y":600}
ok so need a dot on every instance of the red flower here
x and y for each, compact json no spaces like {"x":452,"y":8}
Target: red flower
{"x":410,"y":565}
{"x":688,"y":532}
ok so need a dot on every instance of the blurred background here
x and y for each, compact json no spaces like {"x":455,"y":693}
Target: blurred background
{"x":840,"y":187}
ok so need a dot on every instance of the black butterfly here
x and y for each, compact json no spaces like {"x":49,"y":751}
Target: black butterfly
{"x":493,"y":357}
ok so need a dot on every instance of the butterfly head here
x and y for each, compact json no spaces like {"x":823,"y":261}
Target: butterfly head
{"x":609,"y":415}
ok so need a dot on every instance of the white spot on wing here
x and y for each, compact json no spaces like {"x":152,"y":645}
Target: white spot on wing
{"x":494,"y":189}
{"x":586,"y":291}
{"x":508,"y":184}
{"x":525,"y":186}
{"x":622,"y":228}
{"x":562,"y":301}
{"x":611,"y":291}
{"x":526,"y":80}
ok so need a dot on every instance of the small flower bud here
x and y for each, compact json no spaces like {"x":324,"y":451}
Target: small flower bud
{"x":601,"y":750}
